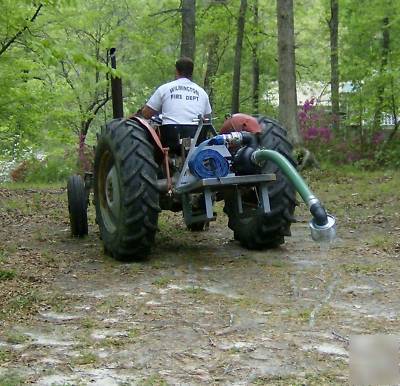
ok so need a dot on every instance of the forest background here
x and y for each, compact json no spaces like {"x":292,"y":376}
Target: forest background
{"x":55,"y":73}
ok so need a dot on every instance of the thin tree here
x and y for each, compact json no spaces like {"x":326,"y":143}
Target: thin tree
{"x":334,"y":45}
{"x":287,"y":70}
{"x":238,"y":56}
{"x":380,"y":90}
{"x":212,"y":66}
{"x":188,"y":40}
{"x":255,"y":62}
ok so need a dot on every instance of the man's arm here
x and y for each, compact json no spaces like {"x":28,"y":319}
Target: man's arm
{"x":153,"y":105}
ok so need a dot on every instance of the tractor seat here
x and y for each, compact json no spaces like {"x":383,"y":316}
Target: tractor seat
{"x":171,"y":135}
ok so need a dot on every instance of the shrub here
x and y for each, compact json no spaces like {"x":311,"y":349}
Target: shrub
{"x":314,"y":123}
{"x":370,"y":151}
{"x":52,"y":168}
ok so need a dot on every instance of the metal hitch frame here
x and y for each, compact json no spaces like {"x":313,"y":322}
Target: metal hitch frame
{"x":188,"y":184}
{"x":209,"y":186}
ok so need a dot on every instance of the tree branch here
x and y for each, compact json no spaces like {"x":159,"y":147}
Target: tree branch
{"x":87,"y":123}
{"x":70,"y":83}
{"x":4,"y":47}
{"x":166,"y":11}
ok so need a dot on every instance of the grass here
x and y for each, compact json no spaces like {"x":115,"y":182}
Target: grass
{"x":16,"y":204}
{"x":384,"y":242}
{"x":162,"y":282}
{"x":22,"y":302}
{"x":309,"y":380}
{"x":32,"y":185}
{"x":85,"y":358}
{"x":349,"y":192}
{"x":11,"y":378}
{"x":14,"y":337}
{"x":195,"y":291}
{"x":133,"y":334}
{"x":88,"y":323}
{"x":6,"y":274}
{"x":41,"y":236}
{"x":159,"y":264}
{"x":365,"y":269}
{"x":3,"y":256}
{"x":279,"y":264}
{"x":48,"y":256}
{"x":136,"y":268}
{"x":304,"y":315}
{"x":57,"y":300}
{"x":6,"y":356}
{"x":37,"y":201}
{"x":153,"y":380}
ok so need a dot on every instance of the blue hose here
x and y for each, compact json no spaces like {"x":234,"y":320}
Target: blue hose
{"x":217,"y":140}
{"x":208,"y":163}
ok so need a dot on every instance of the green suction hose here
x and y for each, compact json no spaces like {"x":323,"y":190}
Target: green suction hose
{"x":323,"y":225}
{"x":261,"y":155}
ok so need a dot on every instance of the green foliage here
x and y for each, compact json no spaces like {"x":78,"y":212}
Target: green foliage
{"x":6,"y":274}
{"x":10,"y":378}
{"x":55,"y":69}
{"x":388,"y":156}
{"x":54,"y":168}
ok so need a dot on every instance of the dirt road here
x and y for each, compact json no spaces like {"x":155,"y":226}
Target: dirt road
{"x":202,"y":310}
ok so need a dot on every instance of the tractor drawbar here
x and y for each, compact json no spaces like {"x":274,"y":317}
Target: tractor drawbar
{"x":323,"y":225}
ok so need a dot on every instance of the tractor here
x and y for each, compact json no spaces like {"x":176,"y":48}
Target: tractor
{"x":141,"y":169}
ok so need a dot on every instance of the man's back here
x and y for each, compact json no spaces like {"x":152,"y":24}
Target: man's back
{"x":180,"y":101}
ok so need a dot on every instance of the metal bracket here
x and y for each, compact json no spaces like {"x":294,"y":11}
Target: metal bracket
{"x":187,"y":207}
{"x":239,"y":201}
{"x":264,"y":197}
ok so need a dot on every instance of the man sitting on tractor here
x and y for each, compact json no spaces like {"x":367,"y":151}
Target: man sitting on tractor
{"x":179,"y":102}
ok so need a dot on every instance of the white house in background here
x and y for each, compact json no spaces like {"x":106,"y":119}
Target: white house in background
{"x":388,"y":121}
{"x":305,"y":91}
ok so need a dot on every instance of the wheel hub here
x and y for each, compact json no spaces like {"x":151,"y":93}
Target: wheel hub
{"x":110,"y":196}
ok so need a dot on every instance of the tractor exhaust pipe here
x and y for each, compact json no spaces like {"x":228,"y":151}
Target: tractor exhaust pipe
{"x":322,"y":225}
{"x":116,"y":89}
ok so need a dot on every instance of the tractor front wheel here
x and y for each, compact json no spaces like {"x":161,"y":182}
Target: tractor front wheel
{"x":77,"y":206}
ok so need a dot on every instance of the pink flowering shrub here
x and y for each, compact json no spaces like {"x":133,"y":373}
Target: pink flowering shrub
{"x":314,"y":123}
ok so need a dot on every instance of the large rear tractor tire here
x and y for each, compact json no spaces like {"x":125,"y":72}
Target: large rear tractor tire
{"x":77,"y":206}
{"x":256,"y":230}
{"x":125,"y":190}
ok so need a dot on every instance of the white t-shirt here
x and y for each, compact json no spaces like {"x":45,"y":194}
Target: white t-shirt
{"x":179,"y":102}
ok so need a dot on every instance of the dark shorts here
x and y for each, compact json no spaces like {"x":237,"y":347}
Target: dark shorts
{"x":171,"y":134}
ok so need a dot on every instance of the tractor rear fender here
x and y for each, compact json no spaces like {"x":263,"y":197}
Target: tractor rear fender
{"x":160,"y":152}
{"x":241,"y":122}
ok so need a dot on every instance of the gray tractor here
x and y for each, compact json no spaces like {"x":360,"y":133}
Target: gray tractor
{"x":141,"y":169}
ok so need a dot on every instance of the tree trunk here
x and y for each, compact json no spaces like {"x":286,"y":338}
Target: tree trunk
{"x":212,"y":66}
{"x":188,"y":40}
{"x":334,"y":34}
{"x":256,"y":64}
{"x":384,"y":61}
{"x":287,"y":70}
{"x":394,"y":113}
{"x":238,"y":57}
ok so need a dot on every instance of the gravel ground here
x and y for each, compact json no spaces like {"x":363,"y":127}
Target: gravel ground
{"x":201,"y":310}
